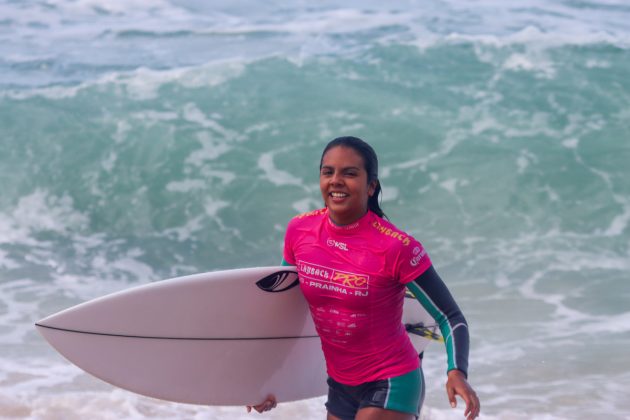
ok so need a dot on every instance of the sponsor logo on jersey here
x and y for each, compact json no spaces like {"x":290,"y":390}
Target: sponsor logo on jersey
{"x":311,"y":213}
{"x":336,"y":244}
{"x":327,"y":278}
{"x":417,"y":256}
{"x":314,"y":271}
{"x":356,"y":281}
{"x":392,"y":233}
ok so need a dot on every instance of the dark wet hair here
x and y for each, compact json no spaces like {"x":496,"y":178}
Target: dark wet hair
{"x":370,"y":161}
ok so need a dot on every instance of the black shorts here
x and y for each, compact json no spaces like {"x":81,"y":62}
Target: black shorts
{"x":403,"y":393}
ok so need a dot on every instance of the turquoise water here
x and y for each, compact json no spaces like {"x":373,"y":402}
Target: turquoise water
{"x":141,"y":142}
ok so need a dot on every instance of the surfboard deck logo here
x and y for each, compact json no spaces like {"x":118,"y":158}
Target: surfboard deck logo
{"x":279,"y":281}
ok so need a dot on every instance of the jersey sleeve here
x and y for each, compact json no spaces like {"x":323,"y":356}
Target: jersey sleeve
{"x":435,"y":297}
{"x":287,"y":253}
{"x":412,"y":261}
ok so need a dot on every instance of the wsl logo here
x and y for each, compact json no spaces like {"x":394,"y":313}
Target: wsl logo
{"x":279,"y":281}
{"x":336,"y":244}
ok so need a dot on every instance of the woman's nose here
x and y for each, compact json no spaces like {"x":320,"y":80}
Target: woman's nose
{"x":335,"y":179}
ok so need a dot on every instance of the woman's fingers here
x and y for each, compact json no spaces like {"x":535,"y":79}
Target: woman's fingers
{"x":472,"y":406}
{"x":267,"y":405}
{"x":458,"y":385}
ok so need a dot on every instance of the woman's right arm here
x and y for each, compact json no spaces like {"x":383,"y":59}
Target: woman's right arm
{"x":270,"y":402}
{"x":435,"y":297}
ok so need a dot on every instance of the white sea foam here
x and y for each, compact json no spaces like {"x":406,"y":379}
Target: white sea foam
{"x":150,"y":117}
{"x":570,"y":26}
{"x":571,"y":143}
{"x":20,"y":301}
{"x":87,"y":19}
{"x":483,"y":124}
{"x":597,"y":64}
{"x":552,"y":18}
{"x":275,"y":175}
{"x":186,"y":231}
{"x":108,"y":163}
{"x":213,"y":206}
{"x":115,"y":7}
{"x":294,"y":32}
{"x":522,"y":163}
{"x":390,"y":193}
{"x":537,"y":64}
{"x":122,"y":130}
{"x":452,"y":139}
{"x":616,"y":324}
{"x":40,"y":211}
{"x":304,"y":205}
{"x":193,"y":114}
{"x":551,"y":193}
{"x":43,"y":211}
{"x":198,"y":222}
{"x":530,"y":35}
{"x":186,"y":185}
{"x":104,"y":274}
{"x":619,"y":223}
{"x":211,"y":149}
{"x":332,"y":21}
{"x":27,"y":376}
{"x":6,"y":262}
{"x":116,"y":404}
{"x":133,"y":267}
{"x":143,"y":83}
{"x":449,"y":185}
{"x":225,"y":177}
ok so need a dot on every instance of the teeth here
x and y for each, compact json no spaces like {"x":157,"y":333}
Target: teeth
{"x":338,"y":195}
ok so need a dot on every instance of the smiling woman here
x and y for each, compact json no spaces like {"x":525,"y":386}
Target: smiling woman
{"x":345,"y":185}
{"x":348,"y":179}
{"x":354,"y":267}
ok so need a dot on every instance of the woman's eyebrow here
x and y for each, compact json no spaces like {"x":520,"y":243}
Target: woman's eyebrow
{"x":343,"y":168}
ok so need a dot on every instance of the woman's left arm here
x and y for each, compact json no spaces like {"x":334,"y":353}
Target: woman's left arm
{"x":435,"y":297}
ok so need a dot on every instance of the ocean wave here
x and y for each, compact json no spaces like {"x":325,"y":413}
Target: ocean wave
{"x":60,"y":48}
{"x":140,"y":84}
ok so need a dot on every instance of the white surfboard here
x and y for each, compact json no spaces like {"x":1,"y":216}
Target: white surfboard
{"x":220,"y":338}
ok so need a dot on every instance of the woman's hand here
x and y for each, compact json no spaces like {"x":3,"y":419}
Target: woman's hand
{"x":267,"y":405}
{"x":458,"y":385}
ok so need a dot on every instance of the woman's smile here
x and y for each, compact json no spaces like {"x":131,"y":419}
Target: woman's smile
{"x":338,"y":197}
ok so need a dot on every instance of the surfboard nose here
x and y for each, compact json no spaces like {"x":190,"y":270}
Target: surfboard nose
{"x":162,"y":340}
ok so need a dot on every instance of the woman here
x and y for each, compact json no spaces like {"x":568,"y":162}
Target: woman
{"x":354,"y":267}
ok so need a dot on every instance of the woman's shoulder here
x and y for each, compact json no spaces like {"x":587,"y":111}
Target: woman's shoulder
{"x":395,"y":239}
{"x":308,"y":217}
{"x":389,"y":232}
{"x":401,"y":244}
{"x":311,"y":214}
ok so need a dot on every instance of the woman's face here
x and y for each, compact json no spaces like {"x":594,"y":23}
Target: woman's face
{"x":344,"y":185}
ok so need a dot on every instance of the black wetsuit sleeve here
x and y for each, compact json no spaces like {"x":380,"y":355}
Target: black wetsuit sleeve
{"x":435,"y":297}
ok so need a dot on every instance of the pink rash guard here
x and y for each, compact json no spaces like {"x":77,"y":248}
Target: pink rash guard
{"x":353,"y":278}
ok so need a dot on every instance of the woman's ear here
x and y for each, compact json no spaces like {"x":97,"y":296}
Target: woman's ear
{"x":372,"y":187}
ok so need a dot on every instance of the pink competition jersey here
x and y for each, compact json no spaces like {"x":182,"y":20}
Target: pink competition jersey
{"x":353,"y":278}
